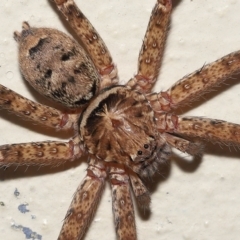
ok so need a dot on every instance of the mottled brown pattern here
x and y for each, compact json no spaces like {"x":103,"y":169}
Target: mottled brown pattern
{"x":33,"y":111}
{"x":196,"y":84}
{"x":99,"y":121}
{"x":52,"y":63}
{"x":91,"y":41}
{"x":126,"y":131}
{"x":122,"y":204}
{"x":84,"y":203}
{"x":151,"y":52}
{"x":187,"y":146}
{"x":140,"y":191}
{"x":210,"y":129}
{"x":41,"y":153}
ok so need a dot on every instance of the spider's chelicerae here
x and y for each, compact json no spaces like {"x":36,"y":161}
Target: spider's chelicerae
{"x":127,"y":132}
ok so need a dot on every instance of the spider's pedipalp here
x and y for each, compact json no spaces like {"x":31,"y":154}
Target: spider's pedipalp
{"x":123,"y":210}
{"x":35,"y":112}
{"x":140,"y":191}
{"x":151,"y":53}
{"x":91,"y":40}
{"x":39,"y":153}
{"x":194,"y":148}
{"x":84,"y":203}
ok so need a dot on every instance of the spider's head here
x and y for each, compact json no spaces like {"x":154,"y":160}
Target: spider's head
{"x":118,"y":126}
{"x":148,"y":162}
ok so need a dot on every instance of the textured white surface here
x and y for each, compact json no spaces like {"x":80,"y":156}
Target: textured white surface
{"x":195,"y":202}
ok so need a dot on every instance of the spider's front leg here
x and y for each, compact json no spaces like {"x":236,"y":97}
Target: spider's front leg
{"x":194,"y":85}
{"x":151,"y":53}
{"x":91,"y":40}
{"x":216,"y":131}
{"x":84,"y":203}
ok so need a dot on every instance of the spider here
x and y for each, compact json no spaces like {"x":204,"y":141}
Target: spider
{"x":112,"y":167}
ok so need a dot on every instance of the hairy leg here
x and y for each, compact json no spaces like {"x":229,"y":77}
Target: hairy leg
{"x":39,"y":153}
{"x":194,"y":85}
{"x":151,"y":53}
{"x":84,"y":203}
{"x":213,"y":130}
{"x":122,"y":204}
{"x":91,"y":40}
{"x":36,"y":112}
{"x":209,"y":129}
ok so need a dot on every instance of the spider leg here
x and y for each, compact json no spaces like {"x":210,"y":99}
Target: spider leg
{"x":151,"y":53}
{"x":40,"y":153}
{"x":91,"y":40}
{"x":84,"y":203}
{"x":209,"y":129}
{"x":122,"y":204}
{"x":213,"y":130}
{"x":36,"y":112}
{"x":194,"y":85}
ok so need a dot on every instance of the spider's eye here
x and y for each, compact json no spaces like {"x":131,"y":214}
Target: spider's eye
{"x":146,"y":146}
{"x":139,"y":152}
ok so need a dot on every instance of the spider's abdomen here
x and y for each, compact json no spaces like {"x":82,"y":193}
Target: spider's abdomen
{"x":118,"y":126}
{"x":56,"y":66}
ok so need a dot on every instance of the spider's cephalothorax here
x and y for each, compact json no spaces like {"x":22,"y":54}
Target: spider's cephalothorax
{"x":126,"y":131}
{"x":119,"y":126}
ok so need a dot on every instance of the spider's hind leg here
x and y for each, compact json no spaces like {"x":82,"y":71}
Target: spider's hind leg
{"x":213,"y":130}
{"x":91,"y":40}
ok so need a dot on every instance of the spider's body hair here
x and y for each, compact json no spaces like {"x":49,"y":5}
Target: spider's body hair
{"x":119,"y":126}
{"x":56,"y":66}
{"x":126,"y":131}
